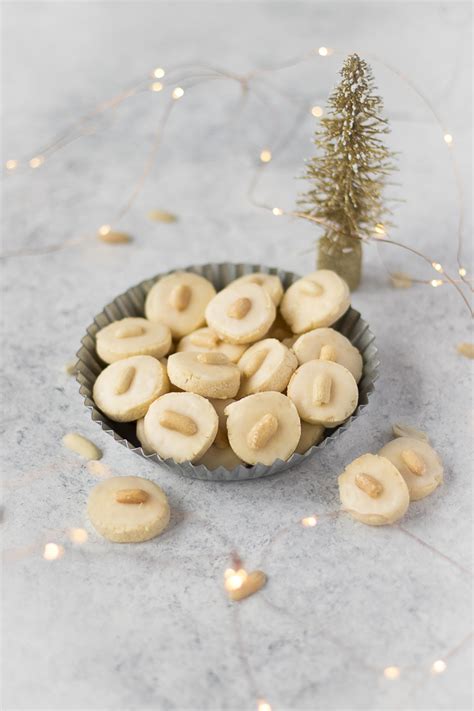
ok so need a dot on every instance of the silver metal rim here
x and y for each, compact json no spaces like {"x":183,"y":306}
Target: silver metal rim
{"x":131,"y":302}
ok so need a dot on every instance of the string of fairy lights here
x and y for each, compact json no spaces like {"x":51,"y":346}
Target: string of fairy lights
{"x":65,"y":541}
{"x":174,"y":82}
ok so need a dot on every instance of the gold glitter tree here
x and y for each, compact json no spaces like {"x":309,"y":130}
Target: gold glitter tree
{"x":349,"y":173}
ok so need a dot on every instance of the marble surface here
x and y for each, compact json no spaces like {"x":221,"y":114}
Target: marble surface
{"x":148,"y":626}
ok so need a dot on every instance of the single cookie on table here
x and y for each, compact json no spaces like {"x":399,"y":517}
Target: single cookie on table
{"x":263,"y":427}
{"x":179,"y":300}
{"x":325,"y":393}
{"x":132,"y":336}
{"x":128,"y":509}
{"x":266,"y":365}
{"x":241,"y":313}
{"x":417,"y":462}
{"x":180,"y":426}
{"x":373,"y":491}
{"x":328,"y":344}
{"x":204,"y":340}
{"x":125,"y":389}
{"x":270,"y":283}
{"x":310,"y":435}
{"x":208,"y":374}
{"x":220,"y":453}
{"x":314,"y":301}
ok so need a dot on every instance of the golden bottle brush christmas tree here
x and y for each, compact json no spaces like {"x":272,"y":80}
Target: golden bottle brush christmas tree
{"x":349,"y":173}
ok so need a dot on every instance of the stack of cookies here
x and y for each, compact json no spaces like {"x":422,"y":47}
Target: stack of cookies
{"x":244,"y":376}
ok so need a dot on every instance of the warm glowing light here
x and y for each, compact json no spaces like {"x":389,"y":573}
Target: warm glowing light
{"x":277,"y":211}
{"x":177,"y":92}
{"x":438,"y":667}
{"x":436,"y":282}
{"x":234,"y":579}
{"x":448,"y":138}
{"x":265,"y":155}
{"x":317,"y":111}
{"x":379,"y":229}
{"x":52,"y":551}
{"x":391,"y":673}
{"x":263,"y":705}
{"x":104,"y":230}
{"x":78,"y":535}
{"x":309,"y":521}
{"x":11,"y":164}
{"x":437,"y":266}
{"x":36,"y":161}
{"x":156,"y":86}
{"x":159,"y":73}
{"x":462,"y":271}
{"x":323,"y":51}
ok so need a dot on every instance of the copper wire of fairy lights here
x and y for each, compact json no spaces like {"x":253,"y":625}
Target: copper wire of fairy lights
{"x":189,"y":75}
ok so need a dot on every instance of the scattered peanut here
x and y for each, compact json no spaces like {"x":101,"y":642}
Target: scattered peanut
{"x":369,"y":484}
{"x":252,"y":584}
{"x":204,"y":340}
{"x":322,"y":389}
{"x":71,"y":367}
{"x":466,"y":349}
{"x":132,"y":496}
{"x":180,"y":297}
{"x":178,"y":422}
{"x":311,"y":288}
{"x":413,"y":461}
{"x":115,"y":238}
{"x":161,"y":216}
{"x":212,"y":358}
{"x":254,"y":362}
{"x":124,"y":380}
{"x":262,"y":431}
{"x":328,"y":353}
{"x":239,"y":308}
{"x":129,"y":331}
{"x":81,"y":445}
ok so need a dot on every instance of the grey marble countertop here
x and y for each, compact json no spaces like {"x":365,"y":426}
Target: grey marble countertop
{"x":148,"y":626}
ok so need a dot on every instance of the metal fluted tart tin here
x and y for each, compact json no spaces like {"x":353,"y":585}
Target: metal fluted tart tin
{"x":131,"y":303}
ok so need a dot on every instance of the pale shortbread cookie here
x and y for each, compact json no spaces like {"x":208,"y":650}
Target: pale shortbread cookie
{"x":418,"y":464}
{"x":132,"y":336}
{"x":310,"y":435}
{"x":270,"y":283}
{"x":204,"y":340}
{"x":373,"y":491}
{"x":263,"y":427}
{"x":328,"y":344}
{"x":317,"y":300}
{"x":141,"y":436}
{"x":180,"y":426}
{"x":267,"y":365}
{"x":215,"y":457}
{"x":324,"y":392}
{"x":128,"y":509}
{"x":179,"y":300}
{"x":208,"y":374}
{"x":220,"y":453}
{"x":241,"y":313}
{"x":125,"y":390}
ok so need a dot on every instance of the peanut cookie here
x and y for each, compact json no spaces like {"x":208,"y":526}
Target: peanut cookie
{"x":208,"y":374}
{"x":266,"y":365}
{"x":317,"y":300}
{"x":241,"y":313}
{"x":373,"y":491}
{"x":328,"y":344}
{"x":204,"y":340}
{"x":125,"y":390}
{"x":179,"y":300}
{"x":418,"y":464}
{"x":180,"y":426}
{"x":132,"y":336}
{"x":270,"y":283}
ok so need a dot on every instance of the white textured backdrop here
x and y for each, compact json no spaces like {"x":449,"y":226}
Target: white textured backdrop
{"x":148,"y":626}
